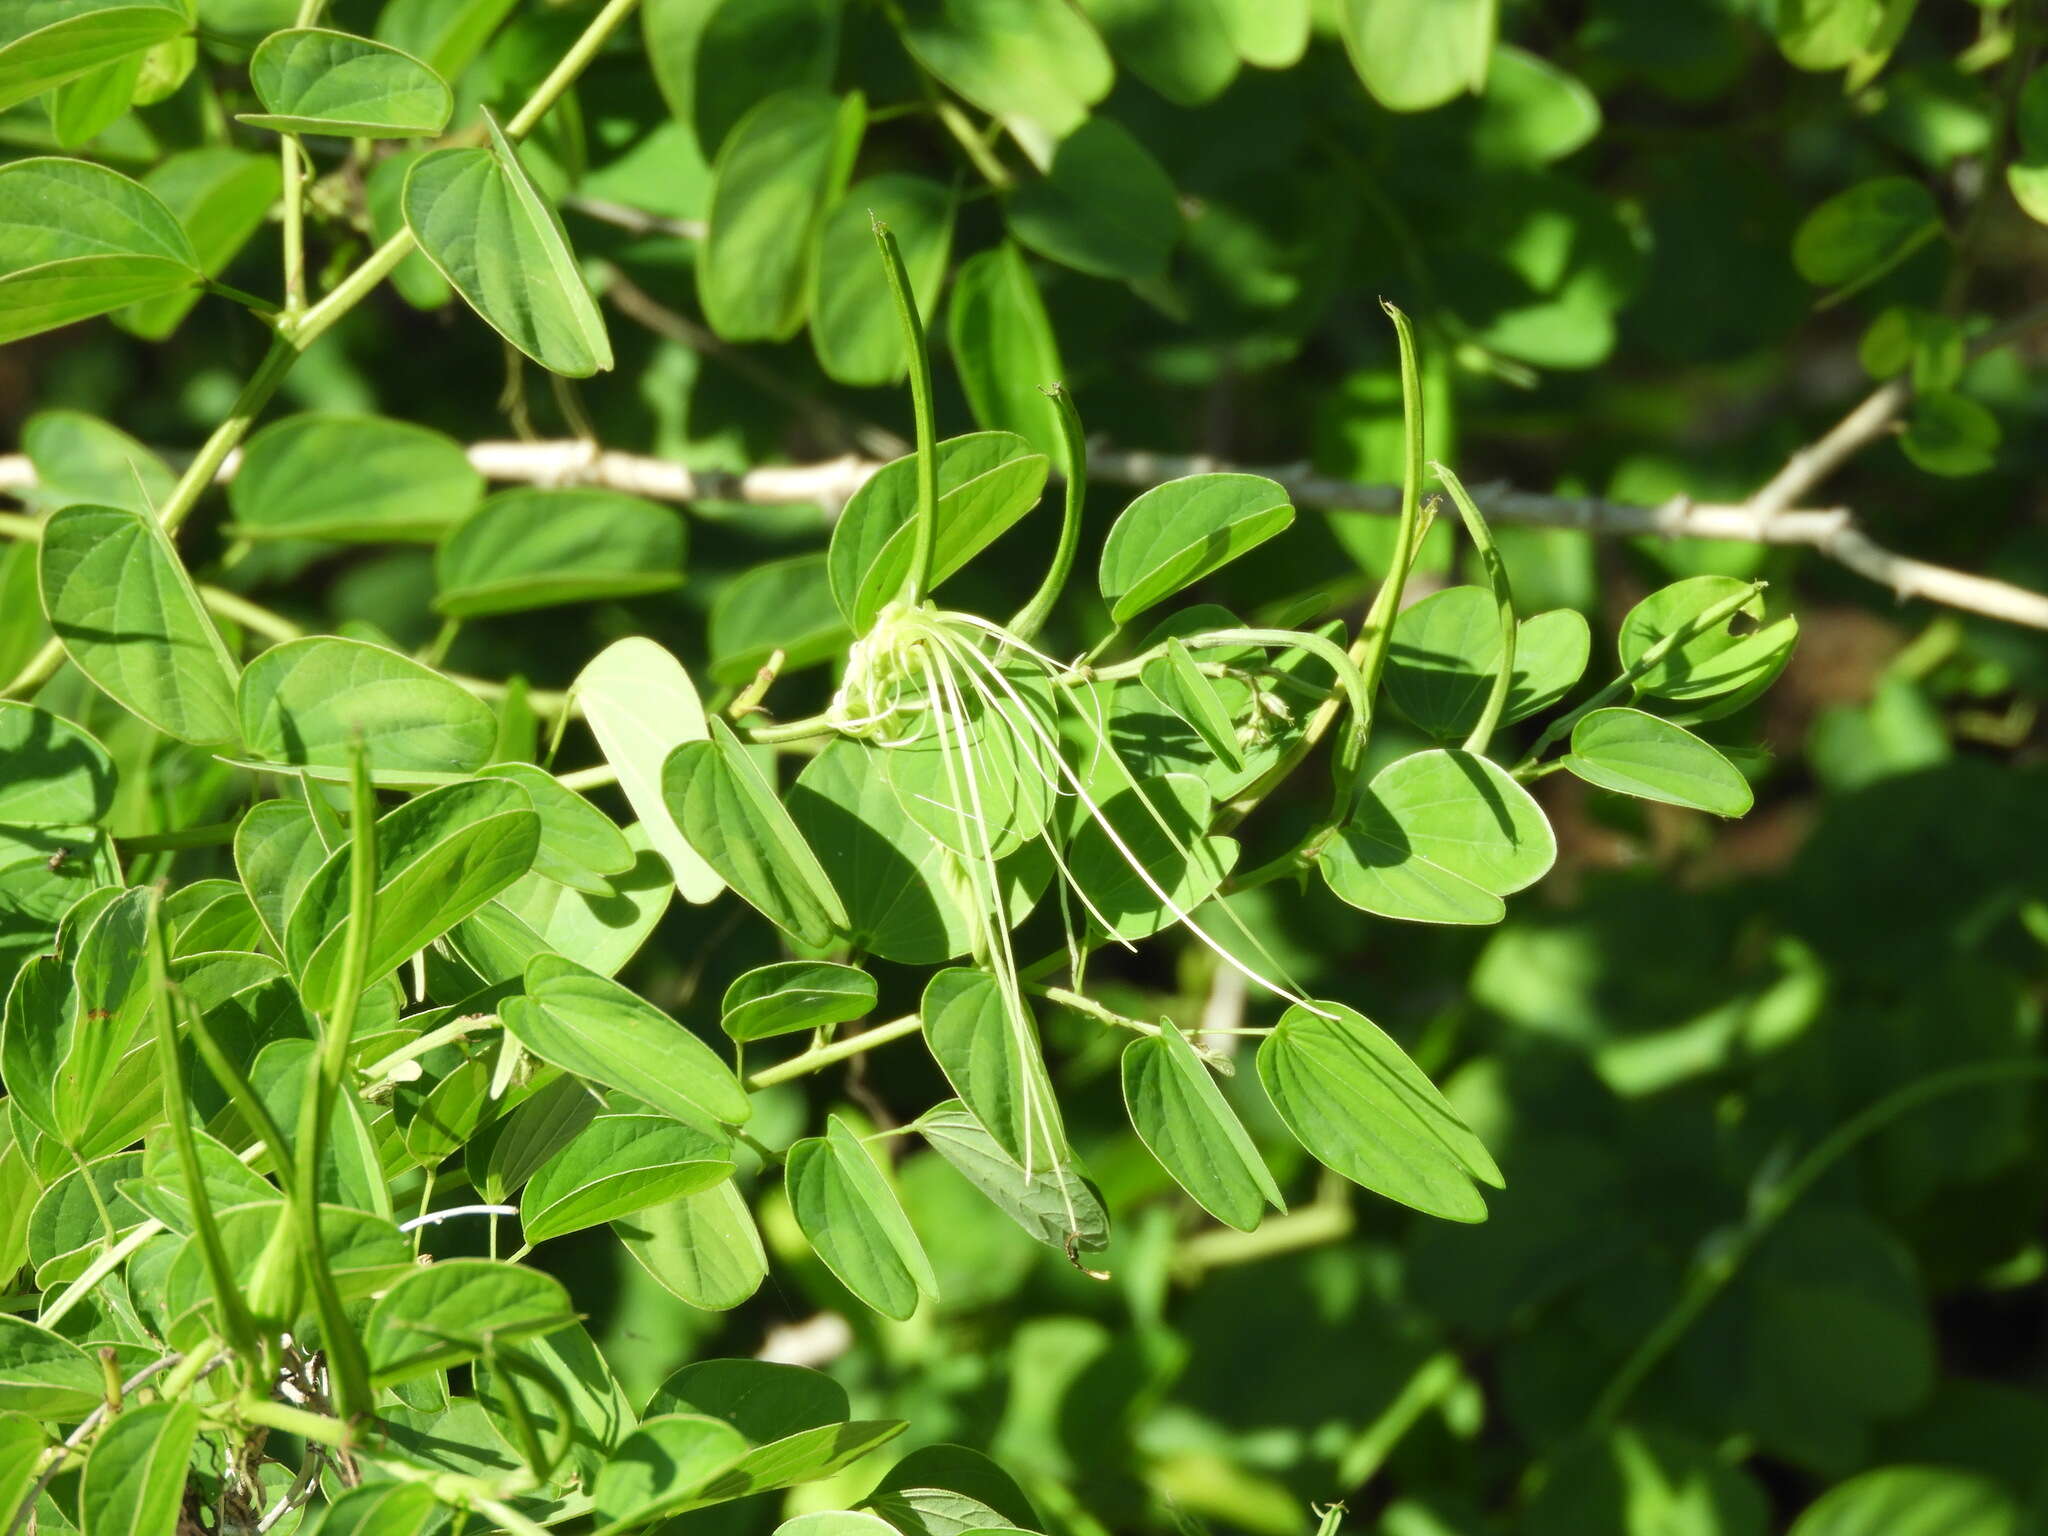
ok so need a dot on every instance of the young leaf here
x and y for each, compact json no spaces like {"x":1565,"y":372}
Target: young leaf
{"x":579,"y":845}
{"x":590,"y":1025}
{"x":483,"y":223}
{"x":847,"y":1212}
{"x":1003,"y":345}
{"x":618,"y":1165}
{"x":1440,"y":837}
{"x":640,"y":705}
{"x":1175,"y":681}
{"x":539,"y":548}
{"x":311,"y":80}
{"x":1105,"y":207}
{"x":703,"y":1248}
{"x":1177,"y":533}
{"x":1636,"y":754}
{"x":329,"y":476}
{"x":793,"y":995}
{"x":777,"y":172}
{"x":853,"y":329}
{"x":439,"y":857}
{"x":131,"y":620}
{"x":42,"y":46}
{"x":731,"y":816}
{"x":1738,"y":654}
{"x":1361,"y":1107}
{"x":1059,"y":1207}
{"x":1181,"y":1115}
{"x":310,"y":702}
{"x":134,"y":1478}
{"x":449,"y":1312}
{"x":77,"y":240}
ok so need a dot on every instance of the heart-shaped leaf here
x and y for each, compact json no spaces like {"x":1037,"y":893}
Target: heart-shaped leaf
{"x":703,"y":1248}
{"x":579,"y":846}
{"x":1177,"y":682}
{"x":1445,"y":655}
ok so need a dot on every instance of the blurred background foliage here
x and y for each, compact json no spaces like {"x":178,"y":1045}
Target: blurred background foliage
{"x":1603,"y":216}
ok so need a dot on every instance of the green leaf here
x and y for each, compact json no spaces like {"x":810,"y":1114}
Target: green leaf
{"x":278,"y":849}
{"x":1914,"y":1501}
{"x":1827,"y":34}
{"x":354,"y":478}
{"x":846,"y":1210}
{"x":703,"y":1248}
{"x":536,"y":915}
{"x":42,"y":45}
{"x":22,"y":1447}
{"x":1417,"y":54}
{"x":1533,"y":112}
{"x":579,"y":845}
{"x":836,"y":1522}
{"x":131,"y":620}
{"x":439,"y":857}
{"x":565,"y":1387}
{"x":779,"y":605}
{"x":782,"y":166}
{"x":1178,"y":683}
{"x":1059,"y":1206}
{"x":1361,"y":1107}
{"x":1636,"y":754}
{"x":1271,"y":34}
{"x":1183,"y":49}
{"x":1002,"y":343}
{"x":221,"y":196}
{"x":1445,"y":655}
{"x":956,"y":1470}
{"x":795,"y":1418}
{"x":45,"y":1375}
{"x":641,"y":705}
{"x":1950,"y":434}
{"x":134,"y":1478}
{"x":1857,"y":236}
{"x":662,"y":1469}
{"x":987,"y":481}
{"x":1740,"y":653}
{"x":1163,"y":823}
{"x":445,"y":34}
{"x":616,"y":1166}
{"x":1175,"y":534}
{"x":1036,"y":64}
{"x":1008,"y":798}
{"x":84,"y":108}
{"x":853,"y":326}
{"x":484,"y":225}
{"x":2027,"y":175}
{"x":51,"y":772}
{"x":794,"y":995}
{"x":1181,"y":1115}
{"x":541,"y":548}
{"x":78,"y":240}
{"x":1632,"y":1482}
{"x":384,"y":1509}
{"x":1440,"y":837}
{"x":730,"y":814}
{"x":80,"y":458}
{"x":999,"y":1076}
{"x":310,"y":702}
{"x":590,"y":1025}
{"x":311,"y":80}
{"x":450,"y":1312}
{"x":1105,"y":207}
{"x":713,"y":59}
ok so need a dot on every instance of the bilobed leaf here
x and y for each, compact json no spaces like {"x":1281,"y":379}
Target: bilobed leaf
{"x":1002,"y":343}
{"x":617,"y":1165}
{"x":51,"y":772}
{"x":82,"y":109}
{"x":1740,"y":652}
{"x":1445,"y":656}
{"x":1059,"y":1206}
{"x":536,"y":548}
{"x":703,"y":1248}
{"x":221,"y":197}
{"x":987,"y":480}
{"x":78,"y":457}
{"x":640,"y":705}
{"x":331,"y":476}
{"x":796,"y":1419}
{"x":579,"y":845}
{"x":1036,"y":64}
{"x":1177,"y":533}
{"x":511,"y":1150}
{"x":730,"y":814}
{"x":1857,"y":236}
{"x":1950,"y":434}
{"x":975,"y":1494}
{"x":1417,"y":54}
{"x":778,"y":605}
{"x":847,"y":1212}
{"x":1162,"y":826}
{"x":43,"y":45}
{"x":77,"y":240}
{"x":1636,"y":754}
{"x":536,"y":915}
{"x":662,"y":1468}
{"x":1361,"y":1107}
{"x":793,"y":995}
{"x":445,"y":1314}
{"x":134,"y":1478}
{"x":278,"y":849}
{"x":1271,"y":34}
{"x":444,"y":34}
{"x":713,"y":59}
{"x":1440,"y":837}
{"x":568,"y":1392}
{"x":1007,"y":797}
{"x":782,"y":166}
{"x":480,"y":219}
{"x":312,"y":80}
{"x":384,"y":1509}
{"x":1914,"y":1501}
{"x":45,"y":1375}
{"x":1181,"y":48}
{"x":1179,"y":1112}
{"x":131,"y":620}
{"x":440,"y":856}
{"x":310,"y":702}
{"x":854,"y":328}
{"x":590,"y":1025}
{"x":1105,"y":207}
{"x":1175,"y":681}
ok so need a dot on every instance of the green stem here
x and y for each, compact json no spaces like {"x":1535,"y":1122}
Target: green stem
{"x":307,"y":1425}
{"x":820,"y":1057}
{"x":1709,"y":1279}
{"x":1432,"y":1381}
{"x":1349,"y":677}
{"x":292,"y":158}
{"x":925,"y":534}
{"x":1378,"y":634}
{"x":1032,"y":616}
{"x":211,"y":835}
{"x":1326,"y":1220}
{"x":1504,"y":600}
